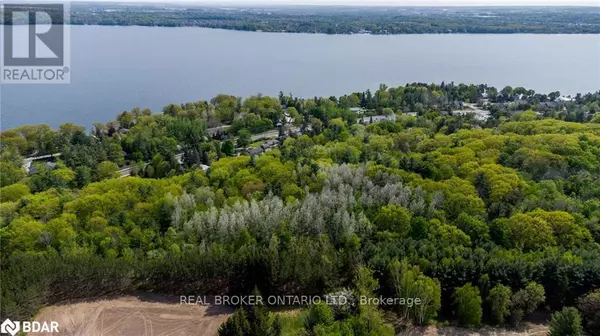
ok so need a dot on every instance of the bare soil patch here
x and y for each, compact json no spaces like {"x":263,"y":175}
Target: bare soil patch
{"x":528,"y":329}
{"x":141,"y":315}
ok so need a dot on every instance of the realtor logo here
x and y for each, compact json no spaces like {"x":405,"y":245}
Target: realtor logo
{"x":13,"y":327}
{"x":35,"y":46}
{"x":10,"y":327}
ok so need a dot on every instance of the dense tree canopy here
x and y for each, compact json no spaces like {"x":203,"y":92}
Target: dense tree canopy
{"x":500,"y":214}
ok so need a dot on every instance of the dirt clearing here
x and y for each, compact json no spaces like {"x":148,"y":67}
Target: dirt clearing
{"x":141,"y":315}
{"x":528,"y":329}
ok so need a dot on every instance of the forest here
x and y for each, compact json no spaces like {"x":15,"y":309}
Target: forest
{"x":399,"y":192}
{"x":348,"y":19}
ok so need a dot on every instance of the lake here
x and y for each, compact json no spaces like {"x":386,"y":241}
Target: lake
{"x":117,"y":68}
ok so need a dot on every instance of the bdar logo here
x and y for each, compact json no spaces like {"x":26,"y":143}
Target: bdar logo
{"x":13,"y":327}
{"x":10,"y":327}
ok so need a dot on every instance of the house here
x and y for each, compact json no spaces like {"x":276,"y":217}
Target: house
{"x":288,"y":119}
{"x":269,"y":144}
{"x":33,"y":170}
{"x":457,"y":104}
{"x":565,"y":99}
{"x":255,"y":151}
{"x":358,"y":110}
{"x":411,"y":114}
{"x":377,"y":118}
{"x":549,"y":105}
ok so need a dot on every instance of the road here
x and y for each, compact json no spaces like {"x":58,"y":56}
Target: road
{"x":271,"y":134}
{"x":213,"y":130}
{"x":126,"y":171}
{"x":27,"y":161}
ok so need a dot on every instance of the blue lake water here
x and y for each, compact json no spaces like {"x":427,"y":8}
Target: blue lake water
{"x":117,"y":68}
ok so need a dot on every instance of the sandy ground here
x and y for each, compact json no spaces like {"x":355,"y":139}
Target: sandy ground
{"x":528,"y":329}
{"x":142,"y":315}
{"x":146,"y":314}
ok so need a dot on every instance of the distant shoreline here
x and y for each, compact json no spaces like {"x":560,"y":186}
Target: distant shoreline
{"x":339,"y":20}
{"x":333,"y":34}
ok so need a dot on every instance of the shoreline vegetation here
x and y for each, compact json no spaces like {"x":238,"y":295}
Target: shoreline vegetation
{"x":348,"y":20}
{"x":482,"y":202}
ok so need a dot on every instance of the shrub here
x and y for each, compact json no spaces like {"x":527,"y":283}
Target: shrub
{"x":317,"y":314}
{"x":499,"y":301}
{"x":468,"y":305}
{"x":566,"y":322}
{"x":526,"y":300}
{"x":589,"y":306}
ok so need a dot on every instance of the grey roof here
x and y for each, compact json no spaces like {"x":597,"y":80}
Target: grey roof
{"x":378,"y":118}
{"x":255,"y":151}
{"x":549,"y":104}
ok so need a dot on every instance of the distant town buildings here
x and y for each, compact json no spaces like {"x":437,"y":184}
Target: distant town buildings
{"x":268,"y":144}
{"x":358,"y":110}
{"x":377,"y":118}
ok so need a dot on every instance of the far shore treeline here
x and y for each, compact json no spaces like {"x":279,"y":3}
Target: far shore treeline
{"x":380,"y":20}
{"x":482,"y":202}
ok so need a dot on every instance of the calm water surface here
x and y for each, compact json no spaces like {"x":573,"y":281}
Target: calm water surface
{"x":117,"y":68}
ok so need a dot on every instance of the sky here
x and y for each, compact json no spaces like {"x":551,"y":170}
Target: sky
{"x":415,"y":2}
{"x":378,"y":2}
{"x":419,"y":2}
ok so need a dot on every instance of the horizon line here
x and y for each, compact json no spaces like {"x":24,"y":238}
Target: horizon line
{"x":284,"y":3}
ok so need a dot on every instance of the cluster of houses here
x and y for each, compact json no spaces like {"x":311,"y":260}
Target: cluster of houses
{"x":377,"y":118}
{"x":269,"y":144}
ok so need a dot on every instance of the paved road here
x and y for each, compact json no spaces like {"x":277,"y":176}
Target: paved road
{"x":271,"y":134}
{"x":213,"y":130}
{"x":126,"y":171}
{"x":27,"y":161}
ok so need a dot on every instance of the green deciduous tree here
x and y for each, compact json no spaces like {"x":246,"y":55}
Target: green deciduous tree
{"x":499,"y":303}
{"x":589,"y":306}
{"x":566,"y":322}
{"x":467,"y":302}
{"x":393,"y":218}
{"x":228,"y":148}
{"x":409,"y":282}
{"x":244,"y":138}
{"x":106,"y":169}
{"x":13,"y":192}
{"x":525,"y":301}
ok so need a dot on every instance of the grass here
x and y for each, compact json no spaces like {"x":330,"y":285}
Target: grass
{"x":291,"y":322}
{"x":256,"y":144}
